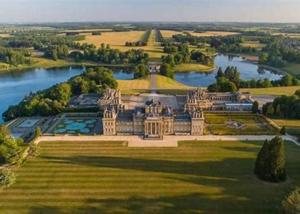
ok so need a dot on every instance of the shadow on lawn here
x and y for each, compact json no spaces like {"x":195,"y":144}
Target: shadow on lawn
{"x":191,"y":203}
{"x":235,"y":196}
{"x":207,"y":168}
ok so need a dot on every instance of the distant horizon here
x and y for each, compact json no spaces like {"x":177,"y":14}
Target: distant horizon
{"x":135,"y":22}
{"x":66,"y":11}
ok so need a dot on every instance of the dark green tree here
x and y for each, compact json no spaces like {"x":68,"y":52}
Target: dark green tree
{"x":166,"y":70}
{"x":270,"y":162}
{"x":283,"y":130}
{"x":255,"y":107}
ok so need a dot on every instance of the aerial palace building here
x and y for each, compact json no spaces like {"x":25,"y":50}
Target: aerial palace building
{"x":155,"y":120}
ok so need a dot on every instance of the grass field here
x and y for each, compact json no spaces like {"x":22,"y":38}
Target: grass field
{"x":163,"y":84}
{"x":134,"y":86}
{"x":38,"y":62}
{"x":293,"y":69}
{"x":106,"y":177}
{"x":193,"y":67}
{"x":212,"y":33}
{"x":252,"y":124}
{"x":292,"y":126}
{"x":168,"y":83}
{"x":253,"y":44}
{"x":272,"y":91}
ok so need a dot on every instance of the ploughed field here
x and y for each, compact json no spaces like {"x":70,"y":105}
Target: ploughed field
{"x":108,"y":177}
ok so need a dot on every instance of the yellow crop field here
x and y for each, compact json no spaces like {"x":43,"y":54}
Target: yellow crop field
{"x":291,"y":35}
{"x":117,"y":40}
{"x":212,"y":33}
{"x":169,"y":33}
{"x":114,"y":39}
{"x":4,"y":35}
{"x":253,"y":44}
{"x":87,"y":30}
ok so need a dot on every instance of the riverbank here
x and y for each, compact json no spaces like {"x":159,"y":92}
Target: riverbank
{"x":194,"y":67}
{"x":52,"y":64}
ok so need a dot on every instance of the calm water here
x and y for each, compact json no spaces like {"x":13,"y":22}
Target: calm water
{"x":248,"y":71}
{"x":14,"y":86}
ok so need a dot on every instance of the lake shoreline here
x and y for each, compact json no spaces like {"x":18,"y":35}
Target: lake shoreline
{"x":67,"y":64}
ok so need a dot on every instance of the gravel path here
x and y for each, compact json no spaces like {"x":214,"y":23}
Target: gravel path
{"x":153,"y":83}
{"x":168,"y":141}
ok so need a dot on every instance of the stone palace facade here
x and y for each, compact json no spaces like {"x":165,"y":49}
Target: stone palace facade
{"x":155,"y":120}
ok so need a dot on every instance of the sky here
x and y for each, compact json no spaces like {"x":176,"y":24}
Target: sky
{"x":24,"y":11}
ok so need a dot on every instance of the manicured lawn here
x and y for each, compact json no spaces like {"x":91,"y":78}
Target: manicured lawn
{"x":292,"y":68}
{"x":290,"y":90}
{"x":193,"y":67}
{"x":168,"y":83}
{"x":292,"y":126}
{"x":106,"y":177}
{"x":217,"y":123}
{"x":134,"y":86}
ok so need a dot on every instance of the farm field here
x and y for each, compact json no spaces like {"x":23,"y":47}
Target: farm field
{"x":212,"y":33}
{"x":291,"y":35}
{"x":290,"y":90}
{"x":114,"y":39}
{"x":237,"y":124}
{"x":167,"y":34}
{"x":87,"y":30}
{"x":108,"y":177}
{"x":4,"y":35}
{"x":253,"y":44}
{"x":117,"y":40}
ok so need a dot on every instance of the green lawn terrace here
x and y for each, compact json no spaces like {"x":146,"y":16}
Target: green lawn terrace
{"x":238,"y":123}
{"x":76,"y":124}
{"x":109,"y":177}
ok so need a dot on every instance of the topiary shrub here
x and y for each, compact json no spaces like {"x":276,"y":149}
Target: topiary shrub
{"x":291,"y":204}
{"x":7,"y":178}
{"x":270,"y":162}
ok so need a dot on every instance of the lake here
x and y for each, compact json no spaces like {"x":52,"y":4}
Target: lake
{"x":247,"y":70}
{"x":15,"y":85}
